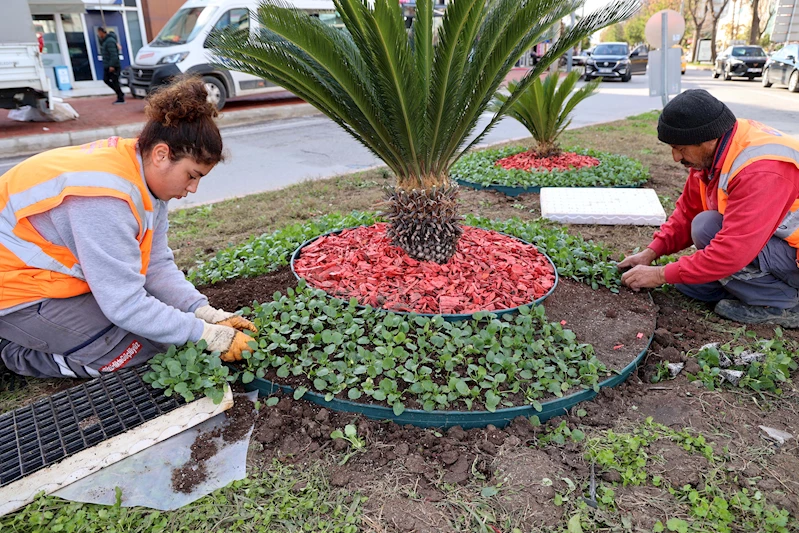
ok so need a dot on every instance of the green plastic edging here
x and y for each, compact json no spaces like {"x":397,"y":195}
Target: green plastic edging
{"x":507,"y":190}
{"x":447,"y":419}
{"x":452,"y":317}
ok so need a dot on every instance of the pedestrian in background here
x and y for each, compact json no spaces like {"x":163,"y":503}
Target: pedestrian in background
{"x":89,"y":284}
{"x":109,"y":49}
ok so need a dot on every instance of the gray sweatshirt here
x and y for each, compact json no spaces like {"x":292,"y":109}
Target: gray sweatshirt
{"x":101,"y":233}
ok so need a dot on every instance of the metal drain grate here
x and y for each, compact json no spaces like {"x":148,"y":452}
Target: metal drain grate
{"x":41,"y":434}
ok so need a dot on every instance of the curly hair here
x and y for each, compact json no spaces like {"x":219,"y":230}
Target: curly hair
{"x":181,"y":116}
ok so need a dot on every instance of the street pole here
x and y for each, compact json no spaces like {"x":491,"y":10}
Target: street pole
{"x":664,"y":28}
{"x":570,"y":53}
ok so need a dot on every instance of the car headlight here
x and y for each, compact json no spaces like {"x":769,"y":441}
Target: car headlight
{"x":173,"y":58}
{"x":624,"y":62}
{"x":590,"y":61}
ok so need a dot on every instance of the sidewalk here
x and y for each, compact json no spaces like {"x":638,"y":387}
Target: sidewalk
{"x":99,"y":118}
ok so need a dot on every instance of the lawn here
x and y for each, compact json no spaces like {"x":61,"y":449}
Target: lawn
{"x":683,"y":454}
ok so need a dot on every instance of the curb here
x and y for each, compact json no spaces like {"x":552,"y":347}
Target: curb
{"x":29,"y":144}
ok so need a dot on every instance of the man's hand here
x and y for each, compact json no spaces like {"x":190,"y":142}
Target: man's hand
{"x":111,"y":69}
{"x":212,"y":315}
{"x":226,"y":340}
{"x":641,"y":258}
{"x":644,"y":277}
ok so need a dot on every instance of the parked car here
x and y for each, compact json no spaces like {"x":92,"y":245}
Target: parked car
{"x":741,"y":61}
{"x":615,"y":61}
{"x":783,"y":68}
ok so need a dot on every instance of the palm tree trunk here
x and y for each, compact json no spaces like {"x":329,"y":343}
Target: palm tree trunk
{"x":424,"y":222}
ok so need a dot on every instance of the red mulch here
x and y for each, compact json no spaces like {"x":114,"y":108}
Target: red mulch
{"x":531,"y":161}
{"x":489,"y":272}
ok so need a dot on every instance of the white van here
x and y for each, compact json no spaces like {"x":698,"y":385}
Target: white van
{"x":180,"y":48}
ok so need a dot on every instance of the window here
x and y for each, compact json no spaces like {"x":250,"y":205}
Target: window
{"x":748,"y":51}
{"x":611,"y":50}
{"x":238,"y":19}
{"x":45,"y":32}
{"x":184,"y":26}
{"x":135,"y":31}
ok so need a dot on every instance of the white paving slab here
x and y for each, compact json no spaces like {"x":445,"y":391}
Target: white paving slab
{"x":608,"y":206}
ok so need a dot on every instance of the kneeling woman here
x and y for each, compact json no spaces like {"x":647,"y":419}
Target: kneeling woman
{"x":89,"y":283}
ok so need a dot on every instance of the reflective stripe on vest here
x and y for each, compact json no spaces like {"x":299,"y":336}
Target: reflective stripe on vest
{"x":31,"y":267}
{"x":30,"y":253}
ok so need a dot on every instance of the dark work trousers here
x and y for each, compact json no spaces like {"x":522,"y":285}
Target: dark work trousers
{"x":772,"y":279}
{"x":112,"y":80}
{"x":69,"y":337}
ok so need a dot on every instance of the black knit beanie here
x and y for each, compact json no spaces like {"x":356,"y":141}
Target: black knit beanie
{"x":694,"y":117}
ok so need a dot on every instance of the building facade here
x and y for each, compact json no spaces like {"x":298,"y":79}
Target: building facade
{"x":67,"y":33}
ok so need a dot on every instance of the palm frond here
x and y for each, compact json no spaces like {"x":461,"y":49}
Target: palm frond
{"x":411,"y":102}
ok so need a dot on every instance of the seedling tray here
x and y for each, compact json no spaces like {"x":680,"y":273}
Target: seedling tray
{"x":449,"y":317}
{"x":65,"y":437}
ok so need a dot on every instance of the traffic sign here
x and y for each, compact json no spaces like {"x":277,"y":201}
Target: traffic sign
{"x":675,"y":28}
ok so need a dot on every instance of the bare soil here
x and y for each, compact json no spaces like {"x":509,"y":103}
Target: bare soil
{"x":239,"y":420}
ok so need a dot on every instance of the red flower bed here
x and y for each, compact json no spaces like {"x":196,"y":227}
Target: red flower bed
{"x":489,"y":272}
{"x":530,"y":161}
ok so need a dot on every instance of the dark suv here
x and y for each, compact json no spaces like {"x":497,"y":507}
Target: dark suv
{"x":783,"y":68}
{"x":742,"y":61}
{"x":614,"y":60}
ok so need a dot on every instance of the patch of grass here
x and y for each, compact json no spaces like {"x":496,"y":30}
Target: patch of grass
{"x":281,"y":499}
{"x":712,"y":506}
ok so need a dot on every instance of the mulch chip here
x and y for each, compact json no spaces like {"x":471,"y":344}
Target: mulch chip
{"x":489,"y":272}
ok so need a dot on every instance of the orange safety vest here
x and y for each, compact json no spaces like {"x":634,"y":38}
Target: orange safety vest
{"x":754,"y":142}
{"x":32,"y":268}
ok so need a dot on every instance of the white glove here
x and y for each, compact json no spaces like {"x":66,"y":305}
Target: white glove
{"x":211,"y":315}
{"x":226,"y":340}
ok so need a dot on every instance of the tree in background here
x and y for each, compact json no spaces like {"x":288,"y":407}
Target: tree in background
{"x":634,"y":28}
{"x":715,"y":15}
{"x":612,"y":34}
{"x":762,"y":13}
{"x":694,"y":8}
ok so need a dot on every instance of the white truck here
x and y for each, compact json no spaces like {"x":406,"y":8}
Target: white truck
{"x":180,"y":47}
{"x":22,"y":76}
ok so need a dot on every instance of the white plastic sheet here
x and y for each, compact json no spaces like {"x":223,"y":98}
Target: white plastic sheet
{"x":146,"y":478}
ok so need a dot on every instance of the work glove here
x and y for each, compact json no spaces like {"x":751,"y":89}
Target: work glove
{"x":226,"y":340}
{"x":212,"y":315}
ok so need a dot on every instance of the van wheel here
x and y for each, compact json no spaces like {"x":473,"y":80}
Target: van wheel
{"x":217,"y":94}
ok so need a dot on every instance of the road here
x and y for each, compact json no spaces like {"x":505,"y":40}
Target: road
{"x":273,"y":155}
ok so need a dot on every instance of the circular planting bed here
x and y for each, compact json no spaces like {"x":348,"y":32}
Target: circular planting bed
{"x":424,"y":370}
{"x":514,"y":170}
{"x":490,"y":271}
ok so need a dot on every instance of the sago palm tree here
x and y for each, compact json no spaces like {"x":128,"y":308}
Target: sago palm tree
{"x":411,"y":102}
{"x":545,"y":108}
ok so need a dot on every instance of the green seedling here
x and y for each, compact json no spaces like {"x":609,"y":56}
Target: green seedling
{"x":350,"y":434}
